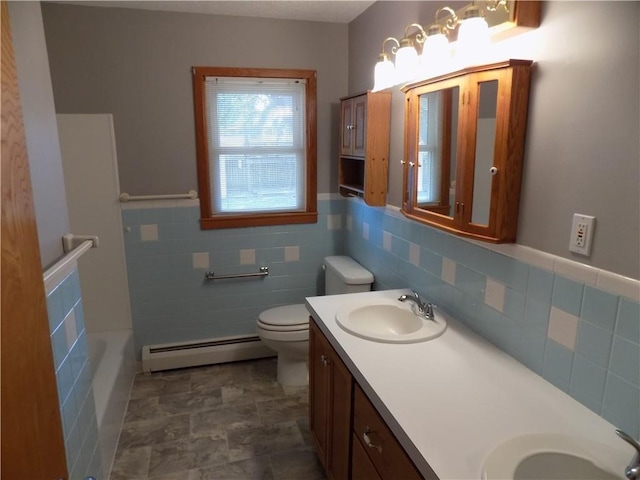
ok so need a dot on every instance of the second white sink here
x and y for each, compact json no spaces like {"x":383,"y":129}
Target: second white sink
{"x":388,"y":321}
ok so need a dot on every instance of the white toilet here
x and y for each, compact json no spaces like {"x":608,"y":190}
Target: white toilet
{"x":286,"y":329}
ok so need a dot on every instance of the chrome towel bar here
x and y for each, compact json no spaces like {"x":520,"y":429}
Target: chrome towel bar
{"x":264,"y":271}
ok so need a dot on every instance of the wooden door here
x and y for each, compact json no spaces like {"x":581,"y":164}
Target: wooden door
{"x":346,"y":127}
{"x":360,"y":125}
{"x":341,"y":389}
{"x":318,"y":392}
{"x":32,"y":445}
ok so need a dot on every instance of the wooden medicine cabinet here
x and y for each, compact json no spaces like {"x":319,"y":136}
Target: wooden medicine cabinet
{"x":364,"y":146}
{"x":464,"y":147}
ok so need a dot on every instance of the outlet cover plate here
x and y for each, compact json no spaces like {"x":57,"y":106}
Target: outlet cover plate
{"x":581,"y":234}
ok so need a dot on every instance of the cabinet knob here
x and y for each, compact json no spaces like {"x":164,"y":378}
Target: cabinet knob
{"x":493,"y":170}
{"x":411,"y":164}
{"x":368,"y":442}
{"x":402,"y":162}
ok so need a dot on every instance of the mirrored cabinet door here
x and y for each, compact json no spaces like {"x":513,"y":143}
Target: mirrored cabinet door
{"x":464,"y":143}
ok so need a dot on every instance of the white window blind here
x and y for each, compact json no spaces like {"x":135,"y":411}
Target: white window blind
{"x":429,"y":148}
{"x":256,"y":140}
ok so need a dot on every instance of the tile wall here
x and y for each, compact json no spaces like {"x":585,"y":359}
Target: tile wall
{"x":576,"y":326}
{"x":168,"y":255}
{"x":73,"y":374}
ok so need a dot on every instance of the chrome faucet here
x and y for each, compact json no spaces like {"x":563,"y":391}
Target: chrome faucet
{"x":633,"y":469}
{"x":424,"y":309}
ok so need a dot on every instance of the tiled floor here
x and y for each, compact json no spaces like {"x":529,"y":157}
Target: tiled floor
{"x":222,"y":422}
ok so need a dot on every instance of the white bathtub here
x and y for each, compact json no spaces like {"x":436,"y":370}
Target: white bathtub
{"x":113,"y":364}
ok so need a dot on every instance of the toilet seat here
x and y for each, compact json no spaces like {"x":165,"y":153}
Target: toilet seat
{"x":288,"y":318}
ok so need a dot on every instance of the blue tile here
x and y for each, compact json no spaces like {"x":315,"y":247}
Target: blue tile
{"x":130,"y":217}
{"x":55,"y":308}
{"x":514,"y":303}
{"x":69,"y":412}
{"x":594,"y":343}
{"x":540,"y":284}
{"x":558,"y":362}
{"x":470,"y":282}
{"x":73,"y":444}
{"x":400,"y":247}
{"x":536,"y":314}
{"x":65,"y":379}
{"x":59,"y":343}
{"x":567,"y":295}
{"x":531,"y":349}
{"x":620,"y":405}
{"x":431,"y":262}
{"x":599,"y":308}
{"x":587,"y":383}
{"x":625,"y":360}
{"x":79,"y":313}
{"x":628,"y":324}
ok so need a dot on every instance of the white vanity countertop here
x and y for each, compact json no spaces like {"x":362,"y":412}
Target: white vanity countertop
{"x":452,"y":400}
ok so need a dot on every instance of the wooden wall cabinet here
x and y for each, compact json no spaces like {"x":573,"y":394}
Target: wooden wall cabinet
{"x":464,"y":148}
{"x":331,"y":391}
{"x":363,"y":164}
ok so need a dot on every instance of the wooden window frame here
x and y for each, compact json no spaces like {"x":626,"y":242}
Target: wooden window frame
{"x":211,"y":220}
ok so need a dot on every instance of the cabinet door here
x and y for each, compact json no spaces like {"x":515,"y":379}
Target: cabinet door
{"x":346,"y":132}
{"x":359,"y":126}
{"x":340,"y":418}
{"x":318,"y":391}
{"x":485,"y":120}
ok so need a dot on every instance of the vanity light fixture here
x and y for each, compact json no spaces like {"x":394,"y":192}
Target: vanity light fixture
{"x":473,"y":41}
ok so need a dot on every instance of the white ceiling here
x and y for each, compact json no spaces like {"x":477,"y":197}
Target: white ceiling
{"x":338,"y":11}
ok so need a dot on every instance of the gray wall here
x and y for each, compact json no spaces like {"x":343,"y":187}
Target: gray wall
{"x":41,"y":131}
{"x":582,"y":152}
{"x":137,"y":64}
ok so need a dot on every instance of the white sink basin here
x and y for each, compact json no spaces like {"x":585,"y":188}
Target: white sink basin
{"x":550,"y":457}
{"x":388,"y":321}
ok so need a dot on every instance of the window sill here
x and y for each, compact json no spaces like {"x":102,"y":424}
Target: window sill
{"x":239,"y":221}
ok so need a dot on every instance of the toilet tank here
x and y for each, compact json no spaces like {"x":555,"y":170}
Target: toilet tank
{"x":345,"y":275}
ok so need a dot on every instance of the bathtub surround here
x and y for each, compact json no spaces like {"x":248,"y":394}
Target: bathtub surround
{"x":168,"y":256}
{"x":576,"y":326}
{"x":73,"y":374}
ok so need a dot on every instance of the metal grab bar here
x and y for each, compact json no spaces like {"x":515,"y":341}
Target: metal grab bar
{"x":264,"y":271}
{"x":125,"y":197}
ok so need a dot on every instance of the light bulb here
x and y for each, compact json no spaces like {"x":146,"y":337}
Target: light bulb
{"x":473,"y":40}
{"x":407,"y":63}
{"x":384,"y":75}
{"x":436,"y":54}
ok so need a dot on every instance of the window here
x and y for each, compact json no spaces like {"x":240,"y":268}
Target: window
{"x":256,"y":146}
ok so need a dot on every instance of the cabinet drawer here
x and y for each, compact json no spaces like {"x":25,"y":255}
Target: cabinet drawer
{"x":362,"y":468}
{"x":386,"y":454}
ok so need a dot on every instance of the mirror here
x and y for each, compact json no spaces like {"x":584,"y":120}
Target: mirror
{"x":484,"y":151}
{"x":437,"y":151}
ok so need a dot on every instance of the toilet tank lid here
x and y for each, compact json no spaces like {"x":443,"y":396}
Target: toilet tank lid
{"x":348,"y":270}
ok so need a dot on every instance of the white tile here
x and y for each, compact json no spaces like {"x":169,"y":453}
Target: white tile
{"x":70,"y":329}
{"x":201,"y":260}
{"x":386,"y":241}
{"x":448,"y":271}
{"x":349,"y":223}
{"x":334,"y":222}
{"x":563,"y":328}
{"x":291,"y":254}
{"x":536,"y":258}
{"x":494,"y":294}
{"x":619,"y":285}
{"x":248,"y":257}
{"x":414,"y":254}
{"x":365,"y":230}
{"x":575,"y":271}
{"x":149,"y":233}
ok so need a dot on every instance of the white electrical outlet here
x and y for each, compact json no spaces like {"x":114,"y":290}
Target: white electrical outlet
{"x":581,"y":234}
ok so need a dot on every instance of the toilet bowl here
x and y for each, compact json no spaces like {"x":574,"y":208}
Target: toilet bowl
{"x":285,"y":329}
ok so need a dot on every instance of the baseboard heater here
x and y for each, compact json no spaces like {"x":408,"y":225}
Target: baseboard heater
{"x":204,"y":352}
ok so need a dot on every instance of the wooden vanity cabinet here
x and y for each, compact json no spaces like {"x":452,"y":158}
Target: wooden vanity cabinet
{"x":463,"y":162}
{"x":330,"y":400}
{"x":363,"y":164}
